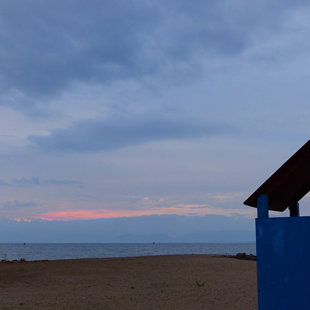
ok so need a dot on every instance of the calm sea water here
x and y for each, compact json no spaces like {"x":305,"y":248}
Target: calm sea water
{"x":52,"y":251}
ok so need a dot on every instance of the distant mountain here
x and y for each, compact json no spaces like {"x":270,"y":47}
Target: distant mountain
{"x":154,"y":228}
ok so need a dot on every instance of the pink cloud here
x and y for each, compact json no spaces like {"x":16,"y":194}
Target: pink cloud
{"x":69,"y":215}
{"x":77,"y":215}
{"x":179,"y":209}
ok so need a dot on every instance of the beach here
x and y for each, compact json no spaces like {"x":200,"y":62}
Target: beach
{"x":153,"y":282}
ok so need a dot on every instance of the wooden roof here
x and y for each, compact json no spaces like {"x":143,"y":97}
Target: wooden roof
{"x":288,"y":184}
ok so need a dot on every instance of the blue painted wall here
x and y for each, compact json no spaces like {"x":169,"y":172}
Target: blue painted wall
{"x":283,"y":263}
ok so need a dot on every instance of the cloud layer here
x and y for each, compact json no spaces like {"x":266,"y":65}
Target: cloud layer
{"x":56,"y":43}
{"x":141,"y":107}
{"x":46,"y":47}
{"x":98,"y":135}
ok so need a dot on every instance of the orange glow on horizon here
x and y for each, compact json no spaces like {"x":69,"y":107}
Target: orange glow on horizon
{"x":186,"y":209}
{"x":71,"y":215}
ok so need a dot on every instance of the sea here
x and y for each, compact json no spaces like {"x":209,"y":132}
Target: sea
{"x":55,"y":251}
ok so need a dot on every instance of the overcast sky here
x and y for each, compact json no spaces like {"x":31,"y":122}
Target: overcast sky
{"x":129,"y":108}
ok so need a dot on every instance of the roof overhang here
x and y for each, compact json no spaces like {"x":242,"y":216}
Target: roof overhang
{"x":289,"y":184}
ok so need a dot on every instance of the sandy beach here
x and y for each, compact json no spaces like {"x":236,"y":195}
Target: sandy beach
{"x":158,"y":282}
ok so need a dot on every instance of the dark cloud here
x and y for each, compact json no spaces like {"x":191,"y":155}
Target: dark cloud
{"x":97,"y":135}
{"x":13,"y":205}
{"x":45,"y":46}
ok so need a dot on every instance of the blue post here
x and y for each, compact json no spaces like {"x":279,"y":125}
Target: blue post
{"x":262,"y":206}
{"x":294,"y":209}
{"x":262,"y":214}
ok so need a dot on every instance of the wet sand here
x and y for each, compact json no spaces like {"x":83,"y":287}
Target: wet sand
{"x":156,"y":282}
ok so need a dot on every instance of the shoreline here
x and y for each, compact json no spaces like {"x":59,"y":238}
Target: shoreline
{"x":32,"y":252}
{"x":242,"y":256}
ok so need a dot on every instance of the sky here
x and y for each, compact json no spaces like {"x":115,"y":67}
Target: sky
{"x":147,"y":110}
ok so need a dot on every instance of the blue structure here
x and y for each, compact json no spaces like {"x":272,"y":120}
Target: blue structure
{"x":283,"y":244}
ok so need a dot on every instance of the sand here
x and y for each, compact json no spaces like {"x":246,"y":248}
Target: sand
{"x":157,"y":282}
